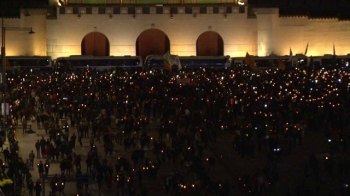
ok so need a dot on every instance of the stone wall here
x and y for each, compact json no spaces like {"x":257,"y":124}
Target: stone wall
{"x":66,"y":33}
{"x":263,"y":35}
{"x":279,"y":34}
{"x":19,"y":42}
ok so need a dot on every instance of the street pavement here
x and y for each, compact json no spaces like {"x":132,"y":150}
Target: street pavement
{"x":27,"y":144}
{"x":155,"y":187}
{"x":229,"y":165}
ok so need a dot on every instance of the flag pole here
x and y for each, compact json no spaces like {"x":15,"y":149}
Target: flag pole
{"x":291,"y":56}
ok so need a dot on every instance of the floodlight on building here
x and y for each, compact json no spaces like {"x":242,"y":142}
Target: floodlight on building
{"x":240,"y":3}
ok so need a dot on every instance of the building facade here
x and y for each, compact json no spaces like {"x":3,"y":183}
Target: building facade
{"x":230,"y":28}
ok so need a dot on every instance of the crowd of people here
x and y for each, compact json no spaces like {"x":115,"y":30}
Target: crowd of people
{"x":266,"y":109}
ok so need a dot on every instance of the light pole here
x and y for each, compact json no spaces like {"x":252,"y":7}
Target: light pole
{"x":3,"y":58}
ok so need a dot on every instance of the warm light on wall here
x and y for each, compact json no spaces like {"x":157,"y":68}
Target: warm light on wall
{"x":13,"y":48}
{"x":322,"y":52}
{"x":262,"y":51}
{"x":10,"y":51}
{"x":323,"y":49}
{"x":184,"y":53}
{"x":319,"y":51}
{"x":240,"y":51}
{"x":258,"y":42}
{"x":184,"y":50}
{"x":34,"y":48}
{"x":72,"y":50}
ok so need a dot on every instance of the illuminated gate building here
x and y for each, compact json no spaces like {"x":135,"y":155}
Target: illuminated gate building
{"x":183,"y":27}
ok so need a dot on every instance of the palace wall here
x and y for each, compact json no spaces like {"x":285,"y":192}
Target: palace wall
{"x":19,"y":42}
{"x":262,"y":35}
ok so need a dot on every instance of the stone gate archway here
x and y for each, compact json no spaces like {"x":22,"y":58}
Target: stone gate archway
{"x":96,"y":44}
{"x":152,"y":42}
{"x":210,"y":43}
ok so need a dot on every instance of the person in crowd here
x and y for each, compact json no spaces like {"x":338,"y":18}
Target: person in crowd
{"x":37,"y":147}
{"x":257,"y":111}
{"x":24,"y":125}
{"x":6,"y":154}
{"x":30,"y":187}
{"x":31,"y":159}
{"x":47,"y":167}
{"x":41,"y":169}
{"x":38,"y":188}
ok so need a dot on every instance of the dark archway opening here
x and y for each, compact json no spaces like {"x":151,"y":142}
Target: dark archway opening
{"x":95,"y":44}
{"x":210,"y":43}
{"x":152,"y":42}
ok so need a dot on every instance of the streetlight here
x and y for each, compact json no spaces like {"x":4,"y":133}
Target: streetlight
{"x":3,"y":58}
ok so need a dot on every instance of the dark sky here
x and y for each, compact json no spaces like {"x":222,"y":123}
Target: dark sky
{"x":311,"y":8}
{"x":291,"y":2}
{"x":11,"y":8}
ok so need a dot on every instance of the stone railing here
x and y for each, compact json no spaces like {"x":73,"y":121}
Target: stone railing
{"x":208,"y":9}
{"x":149,"y":2}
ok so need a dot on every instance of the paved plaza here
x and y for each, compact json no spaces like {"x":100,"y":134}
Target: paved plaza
{"x":27,"y":143}
{"x":229,"y":165}
{"x":154,"y":187}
